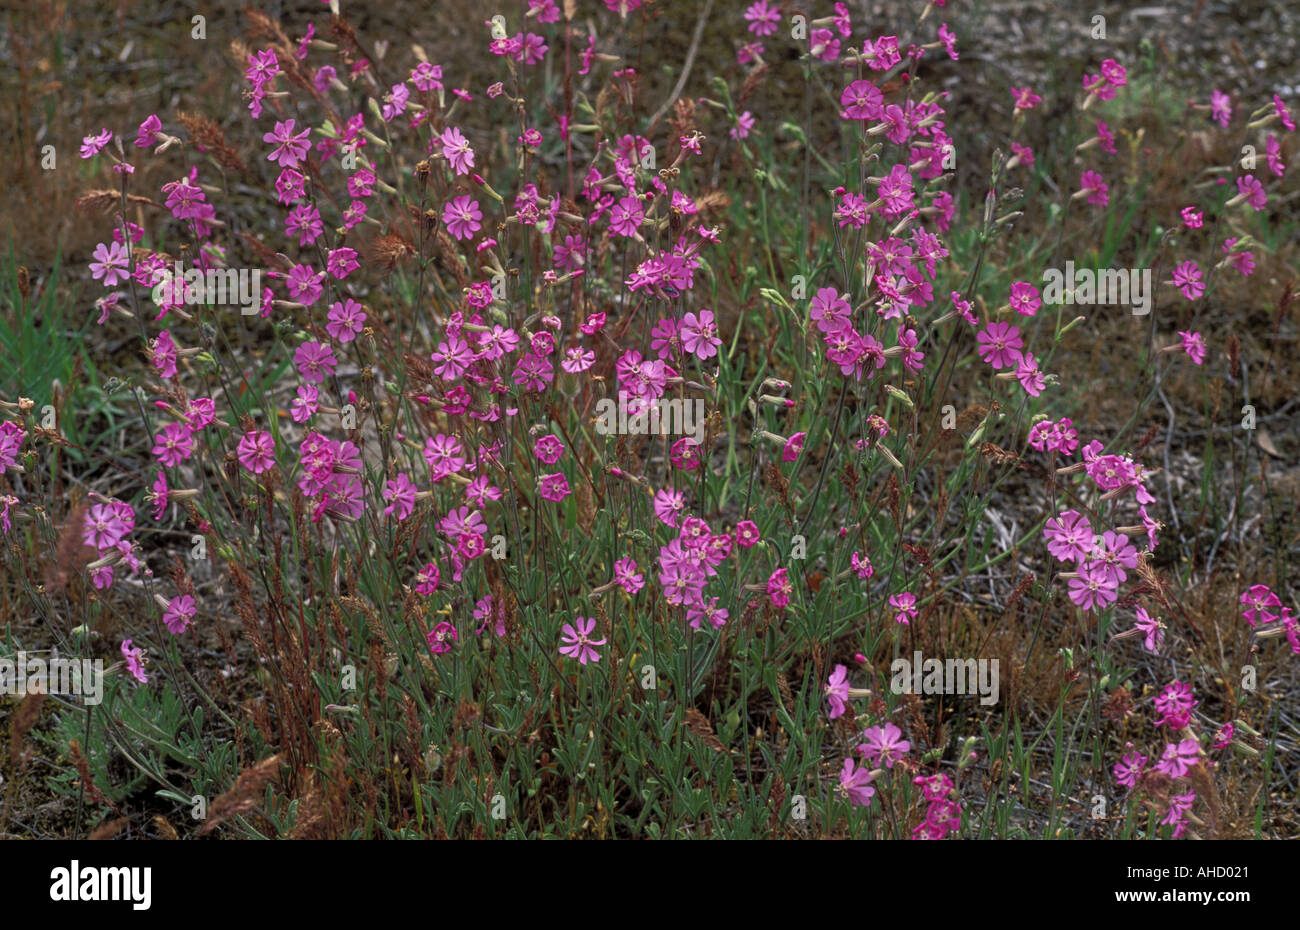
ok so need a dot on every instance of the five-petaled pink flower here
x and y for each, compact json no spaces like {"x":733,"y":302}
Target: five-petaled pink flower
{"x":256,"y":451}
{"x":699,"y":335}
{"x":577,"y":641}
{"x":462,"y":216}
{"x":1025,"y":98}
{"x":905,"y":603}
{"x":855,"y":784}
{"x":862,"y":100}
{"x":763,"y":18}
{"x":884,"y":745}
{"x":1194,"y":346}
{"x":837,"y":691}
{"x":441,"y":638}
{"x":315,"y":361}
{"x":290,"y":148}
{"x":179,"y":613}
{"x":625,"y":216}
{"x":999,"y":344}
{"x":1093,"y":186}
{"x":1187,"y":278}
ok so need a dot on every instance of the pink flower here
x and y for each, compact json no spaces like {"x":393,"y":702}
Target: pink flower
{"x":1129,"y":769}
{"x":93,"y":145}
{"x":949,"y":41}
{"x":345,"y":320}
{"x":882,"y":54}
{"x":1258,"y":599}
{"x":303,"y":284}
{"x":179,"y":613}
{"x":905,"y":603}
{"x":134,"y":661}
{"x":1094,"y":187}
{"x":779,"y":588}
{"x":1114,"y":73}
{"x":1178,"y":758}
{"x":1187,"y":278}
{"x":462,"y":216}
{"x":1192,"y":218}
{"x":174,"y":444}
{"x":362,"y":183}
{"x":855,"y":784}
{"x":837,"y":691}
{"x":884,"y":745}
{"x":711,"y":612}
{"x":1152,"y":630}
{"x":1092,"y":588}
{"x":1029,"y":375}
{"x":457,"y":150}
{"x":763,"y":18}
{"x":554,"y":487}
{"x":1106,"y":138}
{"x":304,"y":221}
{"x":625,"y":216}
{"x":532,"y":49}
{"x":577,"y":640}
{"x":668,"y":506}
{"x":110,"y":263}
{"x":546,"y":10}
{"x":1250,"y":190}
{"x":1069,"y":536}
{"x":400,"y":494}
{"x":315,"y":361}
{"x":548,"y":449}
{"x":256,"y":451}
{"x":159,"y":495}
{"x":147,"y":133}
{"x":1021,"y":155}
{"x":578,"y":359}
{"x":1243,"y":261}
{"x":164,"y":354}
{"x":896,"y":193}
{"x":999,"y":344}
{"x":699,"y":335}
{"x":305,"y":405}
{"x":324,"y":78}
{"x":1175,"y":705}
{"x":747,"y":534}
{"x":104,"y":527}
{"x":1025,"y":98}
{"x":1220,"y":107}
{"x":427,"y":77}
{"x":445,"y":455}
{"x":441,"y":638}
{"x":1194,"y":346}
{"x":1024,"y":298}
{"x":1282,"y":113}
{"x":342,"y":262}
{"x":744,"y":123}
{"x":627,"y":577}
{"x":290,"y":149}
{"x":427,"y":579}
{"x":793,"y":446}
{"x":395,"y":102}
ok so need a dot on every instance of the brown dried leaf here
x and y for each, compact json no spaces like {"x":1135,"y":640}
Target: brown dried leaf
{"x":698,"y":724}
